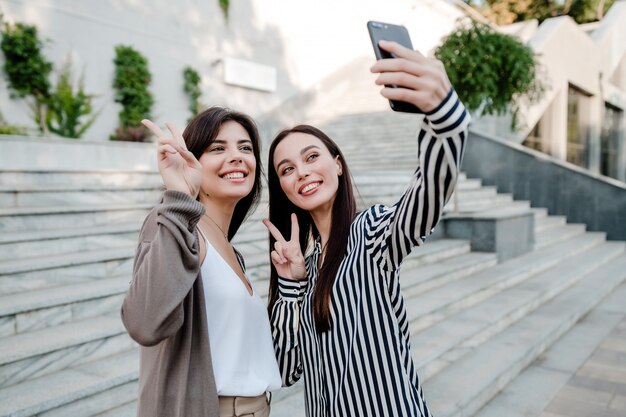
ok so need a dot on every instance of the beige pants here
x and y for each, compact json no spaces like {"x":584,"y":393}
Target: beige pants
{"x":245,"y":406}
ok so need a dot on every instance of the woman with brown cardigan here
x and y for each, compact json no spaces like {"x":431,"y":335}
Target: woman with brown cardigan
{"x":206,"y":347}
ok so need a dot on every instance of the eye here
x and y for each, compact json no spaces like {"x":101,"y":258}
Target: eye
{"x":312,"y":157}
{"x":217,"y":148}
{"x":246,"y":148}
{"x":286,"y":170}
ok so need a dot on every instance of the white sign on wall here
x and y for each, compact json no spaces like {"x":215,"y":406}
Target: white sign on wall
{"x":249,"y":74}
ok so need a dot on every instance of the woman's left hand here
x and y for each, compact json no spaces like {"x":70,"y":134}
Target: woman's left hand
{"x":420,"y":81}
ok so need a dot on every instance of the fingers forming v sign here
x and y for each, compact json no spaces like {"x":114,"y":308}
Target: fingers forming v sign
{"x":179,"y":168}
{"x":287,"y":256}
{"x":420,"y":81}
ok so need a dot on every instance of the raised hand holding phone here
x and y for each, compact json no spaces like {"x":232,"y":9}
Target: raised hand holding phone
{"x":412,"y":81}
{"x":417,"y":80}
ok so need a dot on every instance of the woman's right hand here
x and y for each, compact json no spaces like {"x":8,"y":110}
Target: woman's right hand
{"x":287,"y":256}
{"x":179,"y":168}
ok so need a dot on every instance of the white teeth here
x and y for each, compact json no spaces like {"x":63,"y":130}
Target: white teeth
{"x":310,"y":187}
{"x":233,"y":175}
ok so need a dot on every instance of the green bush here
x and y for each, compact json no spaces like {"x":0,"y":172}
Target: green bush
{"x":69,"y":111}
{"x":490,"y":71}
{"x":225,"y":5}
{"x":192,"y":89}
{"x":132,"y":79}
{"x":25,"y":67}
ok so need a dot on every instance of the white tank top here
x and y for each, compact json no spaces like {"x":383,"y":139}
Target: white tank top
{"x":240,"y":337}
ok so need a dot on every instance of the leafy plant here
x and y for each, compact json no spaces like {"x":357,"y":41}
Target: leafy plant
{"x":7,"y":129}
{"x":132,"y":79}
{"x":67,"y":109}
{"x":192,"y":89}
{"x":25,"y":67}
{"x":225,"y":5}
{"x":490,"y":71}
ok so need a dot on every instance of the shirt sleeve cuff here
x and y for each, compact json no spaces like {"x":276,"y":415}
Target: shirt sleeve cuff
{"x":449,"y":116}
{"x":289,"y":289}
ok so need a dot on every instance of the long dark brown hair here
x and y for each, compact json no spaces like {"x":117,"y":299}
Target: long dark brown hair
{"x":201,"y":132}
{"x":343,"y":212}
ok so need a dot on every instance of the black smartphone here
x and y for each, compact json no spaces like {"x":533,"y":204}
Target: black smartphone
{"x":380,"y":31}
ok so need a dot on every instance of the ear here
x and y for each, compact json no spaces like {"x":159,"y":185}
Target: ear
{"x":339,"y":166}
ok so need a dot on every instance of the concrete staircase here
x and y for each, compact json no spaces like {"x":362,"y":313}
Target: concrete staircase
{"x":66,"y":253}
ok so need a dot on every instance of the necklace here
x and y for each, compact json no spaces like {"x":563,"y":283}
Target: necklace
{"x":218,"y":226}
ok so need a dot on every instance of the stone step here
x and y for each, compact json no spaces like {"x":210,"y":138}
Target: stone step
{"x":546,"y":222}
{"x":467,"y":384}
{"x":59,"y":217}
{"x":125,"y":410}
{"x":430,"y":343}
{"x":444,"y":342}
{"x":119,"y":401}
{"x":31,"y":244}
{"x":442,"y":302}
{"x":53,"y":391}
{"x":539,"y":212}
{"x":12,"y":197}
{"x":41,"y":352}
{"x":555,"y":234}
{"x":38,"y":309}
{"x":24,"y":180}
{"x":464,"y":205}
{"x":51,"y":271}
{"x":531,"y":391}
{"x":440,"y":272}
{"x":483,"y":194}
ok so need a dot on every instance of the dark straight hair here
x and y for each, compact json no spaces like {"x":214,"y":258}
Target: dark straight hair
{"x":343,"y":212}
{"x":201,"y":132}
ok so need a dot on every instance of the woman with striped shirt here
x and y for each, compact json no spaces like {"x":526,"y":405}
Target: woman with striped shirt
{"x":338,"y":316}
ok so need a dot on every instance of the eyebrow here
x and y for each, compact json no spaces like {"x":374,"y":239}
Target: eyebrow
{"x":221,"y":141}
{"x":303,"y":151}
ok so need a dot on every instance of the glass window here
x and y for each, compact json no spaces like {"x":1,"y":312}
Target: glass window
{"x":577,"y":149}
{"x":609,"y":141}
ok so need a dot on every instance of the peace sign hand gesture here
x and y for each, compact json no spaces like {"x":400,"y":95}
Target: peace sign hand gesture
{"x":287,"y":256}
{"x":179,"y":168}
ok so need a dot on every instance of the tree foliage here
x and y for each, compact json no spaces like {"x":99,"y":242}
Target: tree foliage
{"x":504,"y":12}
{"x":489,"y":70}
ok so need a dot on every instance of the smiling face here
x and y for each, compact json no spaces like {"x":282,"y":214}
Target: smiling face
{"x":307,"y":171}
{"x":228,"y":164}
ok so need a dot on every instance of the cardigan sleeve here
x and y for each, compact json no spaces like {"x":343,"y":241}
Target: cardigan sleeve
{"x":441,"y":142}
{"x":165,"y":269}
{"x":285,"y":318}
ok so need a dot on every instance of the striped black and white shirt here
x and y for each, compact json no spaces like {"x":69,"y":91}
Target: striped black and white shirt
{"x":363,"y":365}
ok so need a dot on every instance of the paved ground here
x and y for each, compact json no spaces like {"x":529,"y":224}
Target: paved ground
{"x":598,"y":389}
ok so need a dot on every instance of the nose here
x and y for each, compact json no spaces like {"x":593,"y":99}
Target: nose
{"x":236,"y":157}
{"x":302,"y":171}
